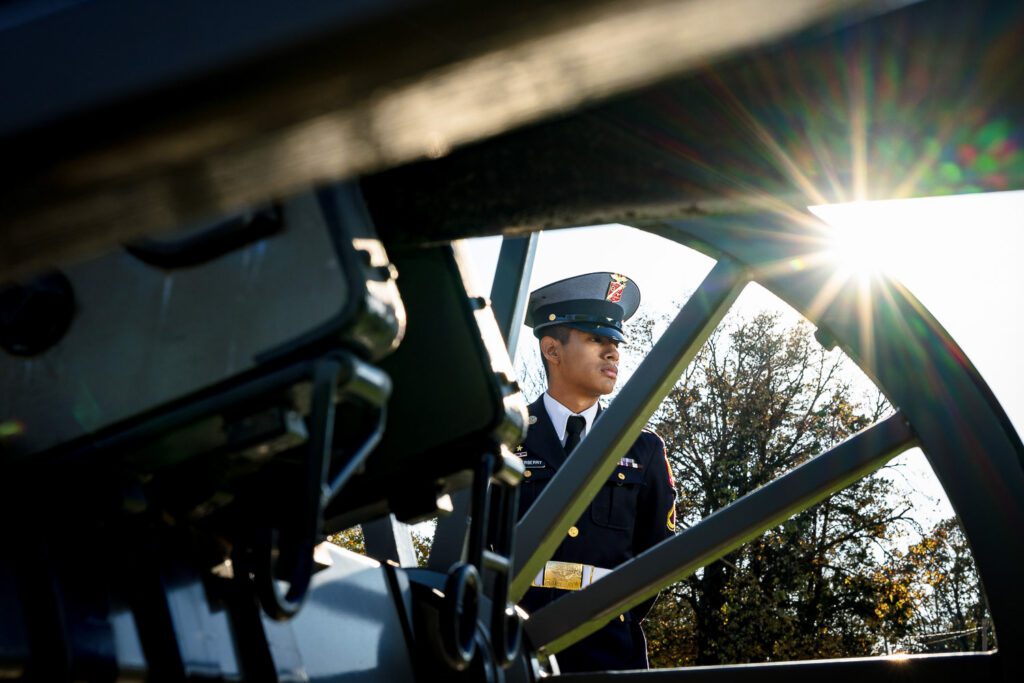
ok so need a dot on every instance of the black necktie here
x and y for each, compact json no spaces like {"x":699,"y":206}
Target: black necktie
{"x":573,"y":429}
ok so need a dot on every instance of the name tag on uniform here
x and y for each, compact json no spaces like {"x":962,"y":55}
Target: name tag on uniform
{"x":534,"y":464}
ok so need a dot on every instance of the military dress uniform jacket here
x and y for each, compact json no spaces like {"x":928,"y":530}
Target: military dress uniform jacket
{"x":634,"y":510}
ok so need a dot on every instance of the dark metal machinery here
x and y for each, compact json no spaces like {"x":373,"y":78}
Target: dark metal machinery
{"x":459,"y":122}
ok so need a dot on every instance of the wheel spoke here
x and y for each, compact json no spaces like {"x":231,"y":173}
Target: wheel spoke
{"x":509,"y":291}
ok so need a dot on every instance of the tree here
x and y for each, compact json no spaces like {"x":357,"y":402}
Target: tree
{"x":758,"y":400}
{"x":952,"y":614}
{"x":352,"y":539}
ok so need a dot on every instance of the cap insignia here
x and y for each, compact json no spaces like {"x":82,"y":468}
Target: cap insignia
{"x":616,"y":287}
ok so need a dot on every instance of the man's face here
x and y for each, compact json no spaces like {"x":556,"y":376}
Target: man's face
{"x":589,"y":363}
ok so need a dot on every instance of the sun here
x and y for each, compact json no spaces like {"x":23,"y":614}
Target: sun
{"x":869,"y":240}
{"x":918,"y":240}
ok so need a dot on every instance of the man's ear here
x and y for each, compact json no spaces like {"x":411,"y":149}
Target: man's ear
{"x":550,"y":348}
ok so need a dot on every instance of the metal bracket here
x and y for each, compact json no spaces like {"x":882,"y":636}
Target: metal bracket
{"x":287,"y":550}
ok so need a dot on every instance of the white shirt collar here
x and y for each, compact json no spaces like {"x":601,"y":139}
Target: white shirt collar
{"x":559,"y":415}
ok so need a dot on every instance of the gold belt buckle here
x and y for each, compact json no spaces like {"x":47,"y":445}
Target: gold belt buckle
{"x":565,"y":575}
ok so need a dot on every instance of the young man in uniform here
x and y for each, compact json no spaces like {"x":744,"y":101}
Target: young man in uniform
{"x":579,"y":324}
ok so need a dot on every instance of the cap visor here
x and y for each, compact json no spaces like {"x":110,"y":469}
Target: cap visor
{"x":601,"y":330}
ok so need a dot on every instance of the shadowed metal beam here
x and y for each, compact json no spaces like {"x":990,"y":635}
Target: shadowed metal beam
{"x":388,"y":539}
{"x":341,"y":94}
{"x":577,"y":482}
{"x":974,"y":666}
{"x":510,"y":286}
{"x":721,"y":141}
{"x":576,"y":616}
{"x":449,"y":546}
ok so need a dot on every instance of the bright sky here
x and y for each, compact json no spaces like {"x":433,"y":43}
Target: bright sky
{"x":959,"y":255}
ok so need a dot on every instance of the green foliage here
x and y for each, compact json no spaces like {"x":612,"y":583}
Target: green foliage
{"x":353,"y":540}
{"x":350,"y":539}
{"x":951,"y":614}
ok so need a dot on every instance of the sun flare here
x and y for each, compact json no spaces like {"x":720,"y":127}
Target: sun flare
{"x":912,"y":240}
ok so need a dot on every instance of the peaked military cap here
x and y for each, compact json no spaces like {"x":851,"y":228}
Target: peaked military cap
{"x":595,"y":302}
